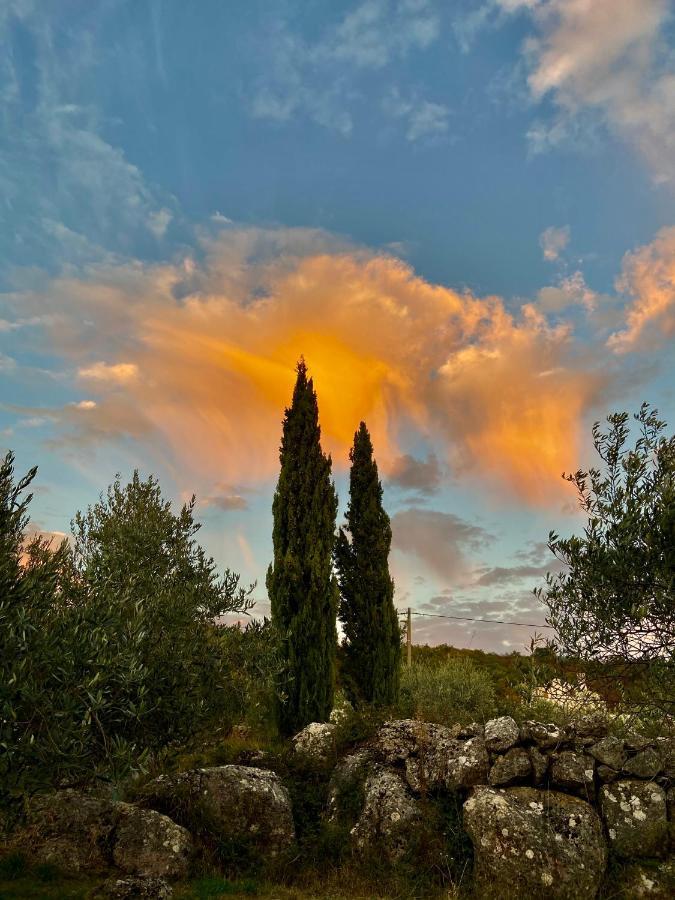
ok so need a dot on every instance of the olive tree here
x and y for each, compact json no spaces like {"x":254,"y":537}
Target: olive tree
{"x":614,"y":601}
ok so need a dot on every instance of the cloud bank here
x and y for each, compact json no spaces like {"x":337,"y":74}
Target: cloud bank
{"x":198,"y":356}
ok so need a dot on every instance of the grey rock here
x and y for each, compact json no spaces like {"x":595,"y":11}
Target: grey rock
{"x":636,"y":741}
{"x":538,"y":843}
{"x":591,"y":725}
{"x":609,"y":751}
{"x":148,"y":843}
{"x":645,"y":764}
{"x":132,"y":888}
{"x":239,"y":803}
{"x":637,"y":880}
{"x":665,"y":747}
{"x":544,"y":734}
{"x":68,"y":830}
{"x":573,"y":772}
{"x":346,"y":788}
{"x":76,"y":833}
{"x":316,"y":741}
{"x":501,"y":734}
{"x":634,"y":813}
{"x":470,"y":731}
{"x":539,"y":764}
{"x":512,"y":767}
{"x":432,"y":755}
{"x":390,"y":819}
{"x":606,"y":775}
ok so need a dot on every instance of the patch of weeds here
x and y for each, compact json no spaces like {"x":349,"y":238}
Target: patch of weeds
{"x":207,"y":888}
{"x":46,"y":873}
{"x":13,"y":866}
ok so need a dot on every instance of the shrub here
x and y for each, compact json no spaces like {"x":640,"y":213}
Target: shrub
{"x":449,"y":692}
{"x":109,"y":651}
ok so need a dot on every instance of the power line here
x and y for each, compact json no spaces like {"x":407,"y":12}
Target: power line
{"x":470,"y":619}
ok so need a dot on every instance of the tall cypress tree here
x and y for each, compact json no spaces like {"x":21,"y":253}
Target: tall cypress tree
{"x":300,"y":581}
{"x":367,"y":612}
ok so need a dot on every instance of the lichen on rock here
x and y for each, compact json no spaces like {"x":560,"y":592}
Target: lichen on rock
{"x":536,"y":843}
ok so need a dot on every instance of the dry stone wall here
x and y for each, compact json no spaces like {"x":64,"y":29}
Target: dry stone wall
{"x":545,"y":809}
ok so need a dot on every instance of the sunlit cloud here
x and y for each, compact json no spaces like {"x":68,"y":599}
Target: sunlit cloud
{"x":120,"y":373}
{"x":648,"y":277}
{"x":217,"y":341}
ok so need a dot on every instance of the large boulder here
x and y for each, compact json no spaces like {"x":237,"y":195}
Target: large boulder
{"x":635,"y":816}
{"x":68,"y":830}
{"x":501,"y":734}
{"x":76,"y":832}
{"x":316,"y":741}
{"x":149,"y":844}
{"x":241,"y":804}
{"x":432,"y":755}
{"x":530,"y":843}
{"x":390,"y":820}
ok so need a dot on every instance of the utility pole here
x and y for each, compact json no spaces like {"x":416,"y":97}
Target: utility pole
{"x":408,"y":639}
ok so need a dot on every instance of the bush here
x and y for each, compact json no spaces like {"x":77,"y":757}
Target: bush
{"x":109,"y":651}
{"x":452,"y":691}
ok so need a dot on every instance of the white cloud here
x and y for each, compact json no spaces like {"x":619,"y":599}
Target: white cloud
{"x":159,"y":221}
{"x":553,"y":241}
{"x":7,"y":364}
{"x":609,"y":57}
{"x":319,"y":79}
{"x":119,"y":373}
{"x":67,"y":191}
{"x":421,"y":117}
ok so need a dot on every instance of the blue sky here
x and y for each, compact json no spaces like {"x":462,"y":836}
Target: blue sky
{"x":461,"y":213}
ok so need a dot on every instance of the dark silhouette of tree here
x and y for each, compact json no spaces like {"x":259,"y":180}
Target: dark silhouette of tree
{"x":300,"y":581}
{"x":372,"y":633}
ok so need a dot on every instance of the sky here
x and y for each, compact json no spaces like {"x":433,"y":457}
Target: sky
{"x":462,"y":214}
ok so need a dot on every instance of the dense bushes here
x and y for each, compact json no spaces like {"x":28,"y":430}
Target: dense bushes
{"x":451,"y":691}
{"x":110,"y":650}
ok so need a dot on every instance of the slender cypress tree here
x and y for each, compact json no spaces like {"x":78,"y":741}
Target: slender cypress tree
{"x":367,"y":612}
{"x":300,"y":582}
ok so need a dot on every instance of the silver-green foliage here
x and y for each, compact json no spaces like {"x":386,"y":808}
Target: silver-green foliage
{"x":449,"y":692}
{"x":109,"y":648}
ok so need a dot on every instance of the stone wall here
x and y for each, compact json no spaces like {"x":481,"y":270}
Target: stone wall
{"x":544,"y":808}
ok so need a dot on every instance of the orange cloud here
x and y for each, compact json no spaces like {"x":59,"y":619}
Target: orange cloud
{"x":649,"y":277}
{"x":215,"y":343}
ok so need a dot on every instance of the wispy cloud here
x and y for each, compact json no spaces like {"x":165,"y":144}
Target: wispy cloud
{"x":440,"y":541}
{"x":318,"y":79}
{"x":422,"y":118}
{"x":553,"y":241}
{"x":609,"y":58}
{"x":409,"y":473}
{"x":67,"y":191}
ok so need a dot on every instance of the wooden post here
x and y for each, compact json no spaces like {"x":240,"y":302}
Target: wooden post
{"x":408,"y":640}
